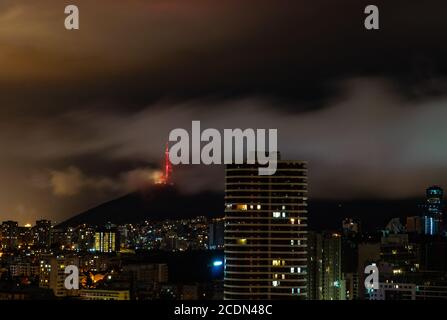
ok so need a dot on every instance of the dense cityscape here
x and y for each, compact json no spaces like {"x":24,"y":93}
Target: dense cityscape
{"x":261,"y":249}
{"x":219,"y":158}
{"x":110,"y":258}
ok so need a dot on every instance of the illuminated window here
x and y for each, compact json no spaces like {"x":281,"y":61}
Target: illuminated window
{"x":276,"y":214}
{"x":292,"y":270}
{"x":283,"y":214}
{"x":275,"y":276}
{"x":283,"y":276}
{"x":241,"y":241}
{"x":258,"y":207}
{"x":298,"y":270}
{"x":283,"y":207}
{"x":296,"y":290}
{"x":292,"y":221}
{"x":242,"y":207}
{"x":278,"y":263}
{"x":292,"y":242}
{"x":275,"y":283}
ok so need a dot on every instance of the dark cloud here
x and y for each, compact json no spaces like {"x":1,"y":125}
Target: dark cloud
{"x":371,"y":142}
{"x":129,"y":55}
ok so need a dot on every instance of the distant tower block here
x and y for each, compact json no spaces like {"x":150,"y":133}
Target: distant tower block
{"x":434,"y":208}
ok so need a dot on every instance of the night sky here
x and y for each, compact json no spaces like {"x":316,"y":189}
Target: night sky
{"x":85,"y":114}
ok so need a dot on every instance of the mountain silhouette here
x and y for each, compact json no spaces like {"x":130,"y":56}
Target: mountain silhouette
{"x":167,"y":202}
{"x":155,"y":203}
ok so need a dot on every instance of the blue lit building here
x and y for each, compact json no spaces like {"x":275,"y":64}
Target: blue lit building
{"x":434,"y":206}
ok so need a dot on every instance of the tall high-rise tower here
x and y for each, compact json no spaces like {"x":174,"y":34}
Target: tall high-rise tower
{"x":324,"y":271}
{"x":265,"y":232}
{"x":432,"y":220}
{"x":9,"y":231}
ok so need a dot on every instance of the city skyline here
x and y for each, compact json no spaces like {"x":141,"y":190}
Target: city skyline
{"x":385,"y":209}
{"x":293,"y":261}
